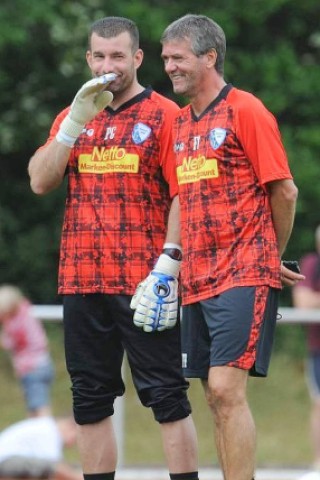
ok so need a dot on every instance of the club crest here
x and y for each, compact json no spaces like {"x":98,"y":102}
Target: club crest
{"x":140,"y":133}
{"x":217,"y":136}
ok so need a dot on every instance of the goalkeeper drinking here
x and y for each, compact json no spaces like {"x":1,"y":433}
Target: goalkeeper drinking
{"x":114,"y":146}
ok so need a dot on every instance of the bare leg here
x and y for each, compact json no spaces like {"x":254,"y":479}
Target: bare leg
{"x":315,"y":430}
{"x":97,"y":447}
{"x":180,"y":445}
{"x":234,"y":426}
{"x":66,"y":472}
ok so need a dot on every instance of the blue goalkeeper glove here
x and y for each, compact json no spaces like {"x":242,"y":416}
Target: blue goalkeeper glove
{"x":156,"y":298}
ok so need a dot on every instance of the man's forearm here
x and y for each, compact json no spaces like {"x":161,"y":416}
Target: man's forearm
{"x":47,"y":167}
{"x":283,"y":224}
{"x":173,"y":228}
{"x":283,"y":197}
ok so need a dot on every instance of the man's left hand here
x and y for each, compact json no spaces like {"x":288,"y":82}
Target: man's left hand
{"x":289,"y":277}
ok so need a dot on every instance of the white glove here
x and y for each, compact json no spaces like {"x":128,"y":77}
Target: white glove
{"x":91,"y":99}
{"x":156,"y":298}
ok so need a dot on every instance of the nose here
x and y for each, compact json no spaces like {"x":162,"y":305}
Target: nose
{"x":107,"y":66}
{"x":107,"y":70}
{"x":103,"y":69}
{"x":170,"y":65}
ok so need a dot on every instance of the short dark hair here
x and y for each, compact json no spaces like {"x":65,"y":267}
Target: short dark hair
{"x":109,"y":27}
{"x":204,"y":33}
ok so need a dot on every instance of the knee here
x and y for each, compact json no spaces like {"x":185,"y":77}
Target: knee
{"x":92,"y":400}
{"x":93,"y":414}
{"x":166,"y":406}
{"x":223,"y":396}
{"x":91,"y":408}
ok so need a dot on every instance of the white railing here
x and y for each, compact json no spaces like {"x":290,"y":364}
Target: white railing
{"x":48,"y":312}
{"x":288,"y":314}
{"x":54,"y":313}
{"x":299,"y":315}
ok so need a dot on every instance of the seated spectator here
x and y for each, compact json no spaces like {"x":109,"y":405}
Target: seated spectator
{"x":34,"y":448}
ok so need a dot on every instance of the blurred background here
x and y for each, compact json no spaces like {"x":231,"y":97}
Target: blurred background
{"x":273,"y":51}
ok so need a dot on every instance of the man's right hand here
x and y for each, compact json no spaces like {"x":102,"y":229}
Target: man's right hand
{"x":91,"y":99}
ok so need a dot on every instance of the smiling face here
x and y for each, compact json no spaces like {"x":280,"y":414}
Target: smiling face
{"x":186,"y":70}
{"x":115,"y":54}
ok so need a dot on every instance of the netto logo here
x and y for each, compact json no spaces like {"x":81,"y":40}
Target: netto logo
{"x":193,"y":163}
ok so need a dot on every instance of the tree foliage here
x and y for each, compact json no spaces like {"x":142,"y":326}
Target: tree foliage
{"x":273,"y":51}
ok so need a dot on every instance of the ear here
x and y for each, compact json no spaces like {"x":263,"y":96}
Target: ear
{"x":138,"y":58}
{"x":211,"y":58}
{"x":89,"y":58}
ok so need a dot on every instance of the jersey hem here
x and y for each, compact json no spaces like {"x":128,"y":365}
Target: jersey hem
{"x":189,"y":299}
{"x":102,"y":290}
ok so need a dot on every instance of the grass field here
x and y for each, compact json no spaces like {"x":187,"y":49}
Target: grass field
{"x":280,"y":406}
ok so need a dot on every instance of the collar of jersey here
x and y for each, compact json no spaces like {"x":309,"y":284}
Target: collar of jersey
{"x":138,"y":98}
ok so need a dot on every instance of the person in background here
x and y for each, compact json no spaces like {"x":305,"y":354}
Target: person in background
{"x":237,"y":206}
{"x":114,"y":145}
{"x":34,"y":449}
{"x":24,"y":337}
{"x":306,"y":294}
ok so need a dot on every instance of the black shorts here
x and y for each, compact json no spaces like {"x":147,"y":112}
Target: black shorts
{"x":235,"y":328}
{"x":98,"y":329}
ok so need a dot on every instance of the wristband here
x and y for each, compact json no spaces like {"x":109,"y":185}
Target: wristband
{"x":65,"y":139}
{"x":69,"y":131}
{"x":173,"y":253}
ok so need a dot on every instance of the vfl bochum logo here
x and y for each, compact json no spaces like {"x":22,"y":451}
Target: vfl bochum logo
{"x":140,"y":133}
{"x":217,"y":136}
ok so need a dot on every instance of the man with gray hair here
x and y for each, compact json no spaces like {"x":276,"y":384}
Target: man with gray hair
{"x":237,"y":202}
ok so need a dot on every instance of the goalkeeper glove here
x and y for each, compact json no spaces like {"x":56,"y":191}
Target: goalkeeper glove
{"x":91,"y":99}
{"x":156,"y":298}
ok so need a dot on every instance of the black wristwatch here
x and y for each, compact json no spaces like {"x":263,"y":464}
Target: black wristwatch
{"x":173,"y":253}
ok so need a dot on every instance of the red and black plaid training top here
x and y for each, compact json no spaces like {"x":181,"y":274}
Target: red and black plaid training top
{"x":224,"y":160}
{"x":121,"y":174}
